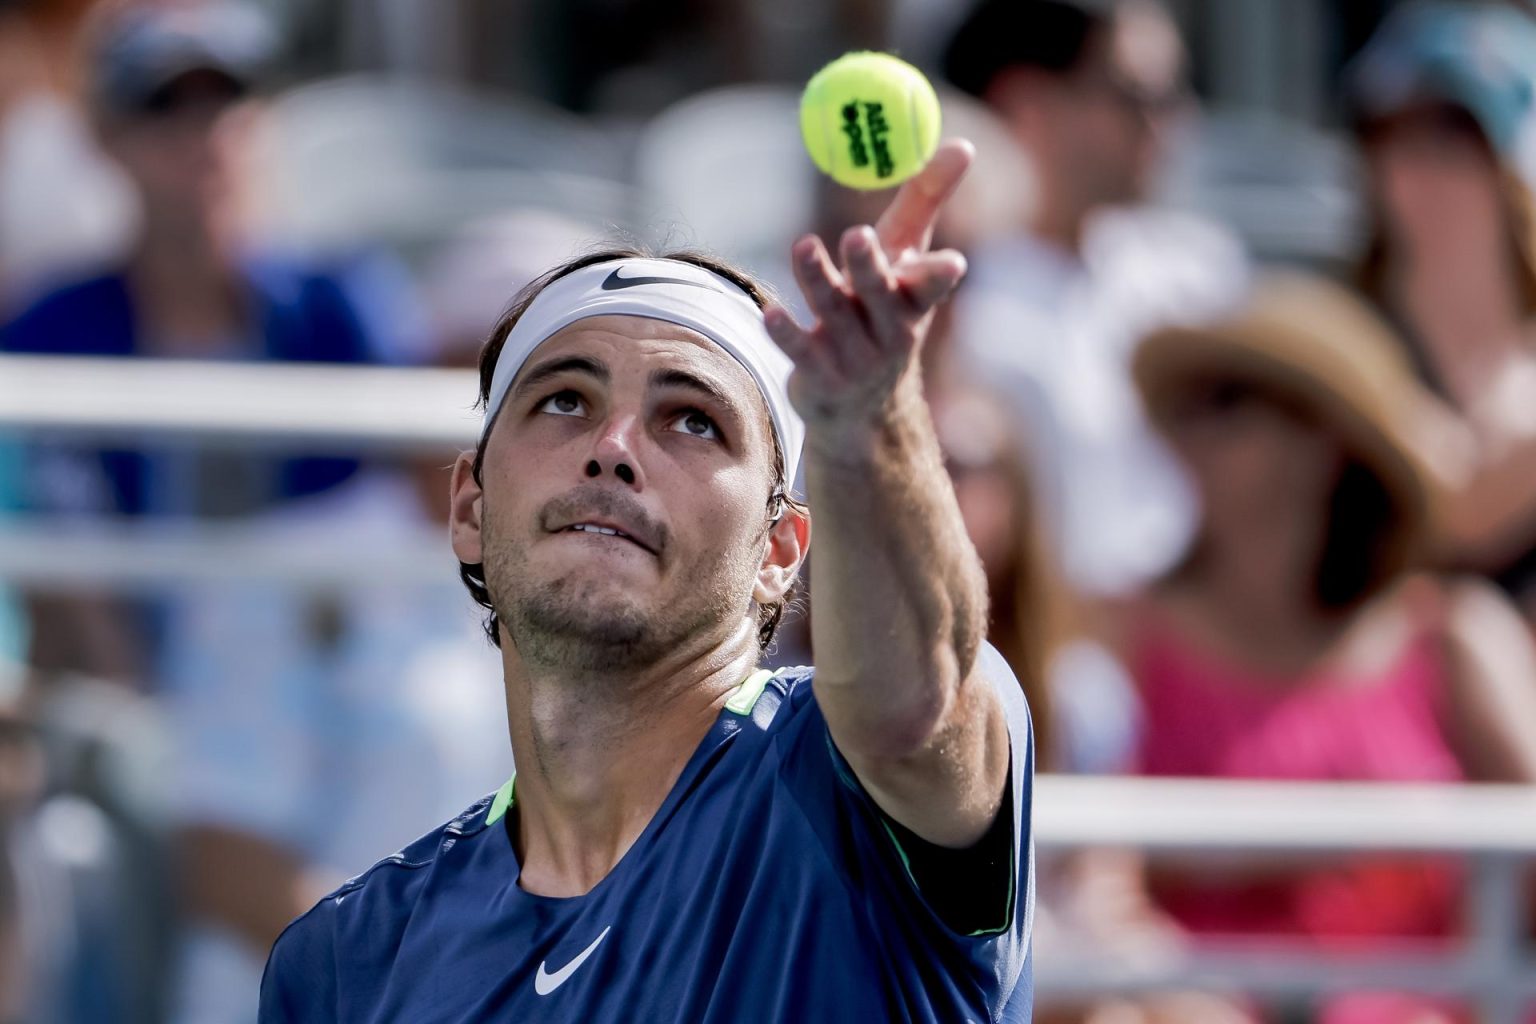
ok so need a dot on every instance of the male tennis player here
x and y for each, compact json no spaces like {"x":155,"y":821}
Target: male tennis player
{"x":688,"y":838}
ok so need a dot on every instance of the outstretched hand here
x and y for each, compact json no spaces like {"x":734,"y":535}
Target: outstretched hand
{"x":872,"y":311}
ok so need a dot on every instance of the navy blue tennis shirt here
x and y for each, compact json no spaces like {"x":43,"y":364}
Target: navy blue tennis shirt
{"x":768,"y":887}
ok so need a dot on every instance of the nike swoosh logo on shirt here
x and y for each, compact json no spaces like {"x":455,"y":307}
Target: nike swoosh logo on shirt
{"x":544,"y":983}
{"x":614,"y":281}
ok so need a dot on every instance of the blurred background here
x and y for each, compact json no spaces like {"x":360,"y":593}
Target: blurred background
{"x":1239,"y":400}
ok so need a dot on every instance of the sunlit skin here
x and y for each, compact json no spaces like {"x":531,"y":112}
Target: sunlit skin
{"x":690,"y":432}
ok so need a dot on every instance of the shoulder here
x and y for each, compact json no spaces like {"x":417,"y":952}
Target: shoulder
{"x":801,"y":717}
{"x":308,"y":956}
{"x":393,"y":876}
{"x":1472,"y":619}
{"x":77,"y":318}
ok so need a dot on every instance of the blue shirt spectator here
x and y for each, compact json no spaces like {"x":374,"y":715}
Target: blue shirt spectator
{"x":296,"y":312}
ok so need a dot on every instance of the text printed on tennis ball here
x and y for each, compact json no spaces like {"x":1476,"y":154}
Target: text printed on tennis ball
{"x":869,"y":120}
{"x":869,"y":139}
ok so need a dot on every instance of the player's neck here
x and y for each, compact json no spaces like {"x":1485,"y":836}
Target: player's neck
{"x":597,"y":756}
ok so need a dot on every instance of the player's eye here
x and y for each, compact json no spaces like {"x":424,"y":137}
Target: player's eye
{"x":563,"y":403}
{"x":695,"y":424}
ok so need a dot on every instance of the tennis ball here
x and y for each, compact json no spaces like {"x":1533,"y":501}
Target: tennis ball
{"x":869,"y":120}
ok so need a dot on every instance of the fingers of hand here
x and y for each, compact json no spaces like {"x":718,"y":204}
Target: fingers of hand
{"x":929,"y":279}
{"x":909,"y":221}
{"x":885,"y":306}
{"x":826,"y":291}
{"x":788,"y":335}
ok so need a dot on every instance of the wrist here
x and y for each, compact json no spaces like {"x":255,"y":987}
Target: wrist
{"x":899,"y":425}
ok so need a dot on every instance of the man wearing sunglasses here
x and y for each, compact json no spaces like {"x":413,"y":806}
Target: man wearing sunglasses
{"x":1089,"y":89}
{"x":173,"y":94}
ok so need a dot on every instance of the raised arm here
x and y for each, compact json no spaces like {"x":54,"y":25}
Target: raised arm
{"x":900,"y":612}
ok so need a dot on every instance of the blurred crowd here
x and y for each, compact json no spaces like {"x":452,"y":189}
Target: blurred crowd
{"x":1239,"y":519}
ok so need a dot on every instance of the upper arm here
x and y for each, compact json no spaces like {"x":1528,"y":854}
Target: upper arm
{"x":995,"y":864}
{"x":1491,"y":692}
{"x":948,"y":790}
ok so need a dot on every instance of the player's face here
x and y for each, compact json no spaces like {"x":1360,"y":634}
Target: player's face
{"x":636,"y":426}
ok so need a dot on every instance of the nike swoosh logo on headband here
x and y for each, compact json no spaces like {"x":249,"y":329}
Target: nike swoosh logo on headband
{"x":613,"y":282}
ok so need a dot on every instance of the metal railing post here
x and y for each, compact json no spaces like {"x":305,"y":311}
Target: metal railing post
{"x":1497,"y":923}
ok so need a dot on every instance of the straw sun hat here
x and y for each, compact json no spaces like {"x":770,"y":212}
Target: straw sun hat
{"x":1315,"y":347}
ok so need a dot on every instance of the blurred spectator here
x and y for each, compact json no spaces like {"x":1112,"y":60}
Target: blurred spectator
{"x":1088,"y":899}
{"x":1027,"y":605}
{"x":168,"y":85}
{"x":62,"y":205}
{"x":382,"y":699}
{"x":1293,"y":642}
{"x":1442,"y":99}
{"x":1050,"y":313}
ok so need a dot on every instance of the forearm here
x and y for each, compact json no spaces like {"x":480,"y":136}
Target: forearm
{"x":900,"y":596}
{"x":249,"y":885}
{"x":900,"y":599}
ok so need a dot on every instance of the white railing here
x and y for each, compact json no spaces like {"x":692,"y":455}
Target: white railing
{"x":1492,"y":827}
{"x":289,"y":406}
{"x":343,"y":409}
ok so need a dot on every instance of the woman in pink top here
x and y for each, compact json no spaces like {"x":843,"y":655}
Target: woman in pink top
{"x":1293,"y":642}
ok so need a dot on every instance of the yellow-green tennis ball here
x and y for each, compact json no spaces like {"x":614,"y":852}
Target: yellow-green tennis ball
{"x":869,"y":120}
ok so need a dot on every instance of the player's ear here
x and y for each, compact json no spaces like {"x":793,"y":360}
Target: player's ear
{"x":465,"y":502}
{"x":788,"y":541}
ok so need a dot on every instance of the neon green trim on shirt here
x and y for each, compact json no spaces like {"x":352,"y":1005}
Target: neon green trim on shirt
{"x":502,"y":801}
{"x":741,"y":703}
{"x":745,"y":698}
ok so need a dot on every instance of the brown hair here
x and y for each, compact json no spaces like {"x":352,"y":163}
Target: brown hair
{"x":779,"y":499}
{"x":1032,"y":613}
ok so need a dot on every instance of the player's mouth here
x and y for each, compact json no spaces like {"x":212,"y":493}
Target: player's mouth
{"x":599,"y":528}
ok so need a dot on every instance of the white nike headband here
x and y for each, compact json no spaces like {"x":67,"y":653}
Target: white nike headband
{"x":671,"y":291}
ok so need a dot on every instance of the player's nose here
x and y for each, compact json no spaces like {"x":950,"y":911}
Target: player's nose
{"x":616,"y":452}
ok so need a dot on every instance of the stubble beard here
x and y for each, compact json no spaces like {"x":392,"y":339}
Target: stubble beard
{"x":577,"y":626}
